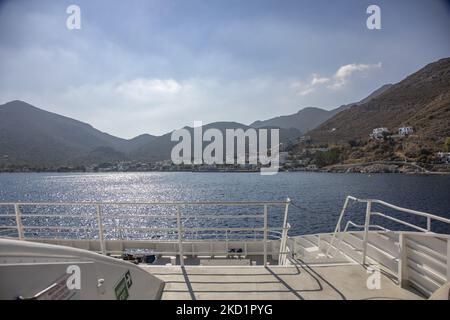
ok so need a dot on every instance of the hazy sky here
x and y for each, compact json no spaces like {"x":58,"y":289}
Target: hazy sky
{"x":153,"y":66}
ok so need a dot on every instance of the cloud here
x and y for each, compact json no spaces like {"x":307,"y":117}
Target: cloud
{"x":306,"y":91}
{"x":343,"y":74}
{"x":142,"y":89}
{"x":335,"y":82}
{"x":129,"y":107}
{"x":172,"y":70}
{"x":318,"y":80}
{"x":347,"y":70}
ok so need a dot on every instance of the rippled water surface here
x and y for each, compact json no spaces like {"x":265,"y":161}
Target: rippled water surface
{"x":320,"y":196}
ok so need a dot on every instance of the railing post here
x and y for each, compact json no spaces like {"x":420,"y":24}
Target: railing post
{"x":100,"y":229}
{"x":283,"y":247}
{"x":180,"y":236}
{"x":226,"y":242}
{"x":338,"y":225}
{"x":402,"y":273}
{"x":286,"y":210}
{"x":19,"y":222}
{"x":429,"y":224}
{"x":448,"y":255}
{"x":282,"y":256}
{"x":366,"y":230}
{"x":265,"y":235}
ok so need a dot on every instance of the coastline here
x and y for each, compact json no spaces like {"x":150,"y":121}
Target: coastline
{"x":372,"y":167}
{"x":353,"y":170}
{"x":388,"y":167}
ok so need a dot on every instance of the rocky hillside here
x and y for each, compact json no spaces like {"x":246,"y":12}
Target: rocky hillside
{"x":422,"y":101}
{"x":304,"y":120}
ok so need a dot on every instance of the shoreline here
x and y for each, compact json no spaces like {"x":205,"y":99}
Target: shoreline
{"x":441,"y":173}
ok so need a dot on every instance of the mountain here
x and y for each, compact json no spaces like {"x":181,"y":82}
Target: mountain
{"x":374,"y":94}
{"x":137,"y":142}
{"x":309,"y":118}
{"x":303,"y":120}
{"x":422,"y":101}
{"x":160,"y":147}
{"x":29,"y":135}
{"x":35,"y":137}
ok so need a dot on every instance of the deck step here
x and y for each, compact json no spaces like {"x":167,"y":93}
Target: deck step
{"x":352,"y":245}
{"x":344,"y":248}
{"x":303,"y":247}
{"x":313,"y":238}
{"x":305,"y":242}
{"x":382,"y":241}
{"x":310,"y":253}
{"x":384,"y":251}
{"x":388,"y":245}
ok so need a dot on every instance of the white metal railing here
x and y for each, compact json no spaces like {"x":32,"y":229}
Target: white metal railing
{"x":351,"y":223}
{"x":101,"y":229}
{"x":369,"y":213}
{"x":284,"y":249}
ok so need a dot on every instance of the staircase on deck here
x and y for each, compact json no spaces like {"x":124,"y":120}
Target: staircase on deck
{"x":312,"y":249}
{"x":411,"y":259}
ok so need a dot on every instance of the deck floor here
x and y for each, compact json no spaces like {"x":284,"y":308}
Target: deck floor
{"x":273,"y":283}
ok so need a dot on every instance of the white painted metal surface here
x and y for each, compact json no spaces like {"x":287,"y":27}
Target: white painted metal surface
{"x":417,"y":259}
{"x":369,"y":213}
{"x":40,"y":271}
{"x":250,"y":240}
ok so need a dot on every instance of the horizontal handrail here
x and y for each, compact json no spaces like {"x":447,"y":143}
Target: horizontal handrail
{"x":398,"y":208}
{"x":170,"y":203}
{"x":406,"y":210}
{"x":132,"y":216}
{"x":143,"y":228}
{"x":362,"y":226}
{"x":271,"y":232}
{"x":399,"y":221}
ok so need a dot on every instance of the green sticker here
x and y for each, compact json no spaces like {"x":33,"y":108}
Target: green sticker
{"x":121,"y":289}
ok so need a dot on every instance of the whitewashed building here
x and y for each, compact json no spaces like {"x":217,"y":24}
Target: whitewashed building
{"x":404,"y":131}
{"x":378,"y":133}
{"x":284,"y":157}
{"x":444,"y":156}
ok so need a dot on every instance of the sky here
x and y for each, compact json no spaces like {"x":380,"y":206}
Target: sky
{"x":151,"y":66}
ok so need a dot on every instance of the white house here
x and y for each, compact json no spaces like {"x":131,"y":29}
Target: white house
{"x":283,"y":157}
{"x":404,"y":131}
{"x":444,"y":156}
{"x":377,"y":133}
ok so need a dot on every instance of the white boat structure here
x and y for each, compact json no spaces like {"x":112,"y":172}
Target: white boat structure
{"x":42,"y":257}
